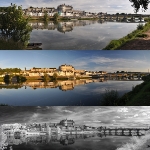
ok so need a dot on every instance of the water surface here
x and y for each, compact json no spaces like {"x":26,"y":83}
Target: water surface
{"x":70,"y":142}
{"x":78,"y":35}
{"x":62,"y":93}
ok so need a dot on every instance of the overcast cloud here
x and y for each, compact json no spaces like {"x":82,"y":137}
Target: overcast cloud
{"x":109,"y":6}
{"x":94,"y":116}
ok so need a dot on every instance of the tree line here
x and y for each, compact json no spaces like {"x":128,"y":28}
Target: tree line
{"x":9,"y":70}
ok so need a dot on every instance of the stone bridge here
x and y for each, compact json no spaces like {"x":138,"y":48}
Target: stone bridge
{"x":124,"y":131}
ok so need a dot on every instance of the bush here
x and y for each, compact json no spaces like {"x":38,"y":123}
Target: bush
{"x":21,"y":78}
{"x":141,"y":35}
{"x":140,"y":27}
{"x":129,"y":36}
{"x":110,"y":98}
{"x":113,"y":44}
{"x":137,"y":89}
{"x":10,"y":45}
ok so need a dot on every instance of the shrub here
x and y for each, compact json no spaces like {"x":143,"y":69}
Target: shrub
{"x":110,"y":98}
{"x":140,"y":27}
{"x":141,"y":35}
{"x":113,"y":44}
{"x":146,"y":78}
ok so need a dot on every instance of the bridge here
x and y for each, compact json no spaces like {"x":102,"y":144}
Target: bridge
{"x":124,"y":17}
{"x":124,"y":131}
{"x":126,"y":75}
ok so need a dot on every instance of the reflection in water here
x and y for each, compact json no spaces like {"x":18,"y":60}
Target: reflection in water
{"x":66,"y":26}
{"x":78,"y":34}
{"x":64,"y":85}
{"x":60,"y":93}
{"x":64,"y":133}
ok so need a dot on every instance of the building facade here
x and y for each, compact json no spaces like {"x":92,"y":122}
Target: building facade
{"x":63,"y":10}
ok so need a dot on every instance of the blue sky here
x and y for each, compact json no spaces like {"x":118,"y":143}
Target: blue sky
{"x":109,"y":6}
{"x":93,"y":116}
{"x":94,"y":60}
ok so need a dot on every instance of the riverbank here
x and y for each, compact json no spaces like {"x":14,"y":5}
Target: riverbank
{"x":139,"y":96}
{"x":60,"y":18}
{"x":41,"y":78}
{"x":138,"y":39}
{"x":137,"y":143}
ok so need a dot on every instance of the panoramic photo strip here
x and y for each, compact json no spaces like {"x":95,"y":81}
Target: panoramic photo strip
{"x":74,"y":25}
{"x":70,"y":128}
{"x":74,"y":78}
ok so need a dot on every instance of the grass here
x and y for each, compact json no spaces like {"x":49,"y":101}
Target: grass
{"x":36,"y":78}
{"x":10,"y":45}
{"x":110,"y":98}
{"x":139,"y":32}
{"x":137,"y":143}
{"x":139,"y":96}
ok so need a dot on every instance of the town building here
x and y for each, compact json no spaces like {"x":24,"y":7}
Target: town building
{"x":63,"y":10}
{"x":67,"y":123}
{"x":35,"y":11}
{"x":63,"y":70}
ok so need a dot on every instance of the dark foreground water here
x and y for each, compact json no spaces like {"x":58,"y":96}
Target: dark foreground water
{"x":78,"y":35}
{"x":61,"y":93}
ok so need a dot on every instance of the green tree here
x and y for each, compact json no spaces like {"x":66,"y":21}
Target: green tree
{"x":7,"y":78}
{"x":137,"y":4}
{"x":55,"y":76}
{"x":56,"y":16}
{"x":45,"y":16}
{"x":110,"y":98}
{"x":14,"y":25}
{"x":46,"y":77}
{"x":21,"y":78}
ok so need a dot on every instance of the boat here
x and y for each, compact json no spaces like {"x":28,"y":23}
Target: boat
{"x":34,"y":44}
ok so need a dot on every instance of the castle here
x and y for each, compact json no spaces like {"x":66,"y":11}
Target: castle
{"x":63,"y":10}
{"x":63,"y":70}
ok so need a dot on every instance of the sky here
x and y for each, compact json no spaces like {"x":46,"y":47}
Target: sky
{"x":93,"y":116}
{"x":109,"y":6}
{"x":90,"y":60}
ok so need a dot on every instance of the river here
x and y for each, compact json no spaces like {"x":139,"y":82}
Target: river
{"x":62,"y":93}
{"x":79,"y":34}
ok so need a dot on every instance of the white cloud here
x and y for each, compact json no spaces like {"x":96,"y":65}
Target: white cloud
{"x":96,"y":110}
{"x":122,"y":109}
{"x":87,"y":121}
{"x":96,"y":121}
{"x":129,"y":117}
{"x":67,"y":111}
{"x":107,"y":6}
{"x":144,"y":114}
{"x":116,"y":117}
{"x":108,"y":63}
{"x":34,"y":118}
{"x":136,"y":115}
